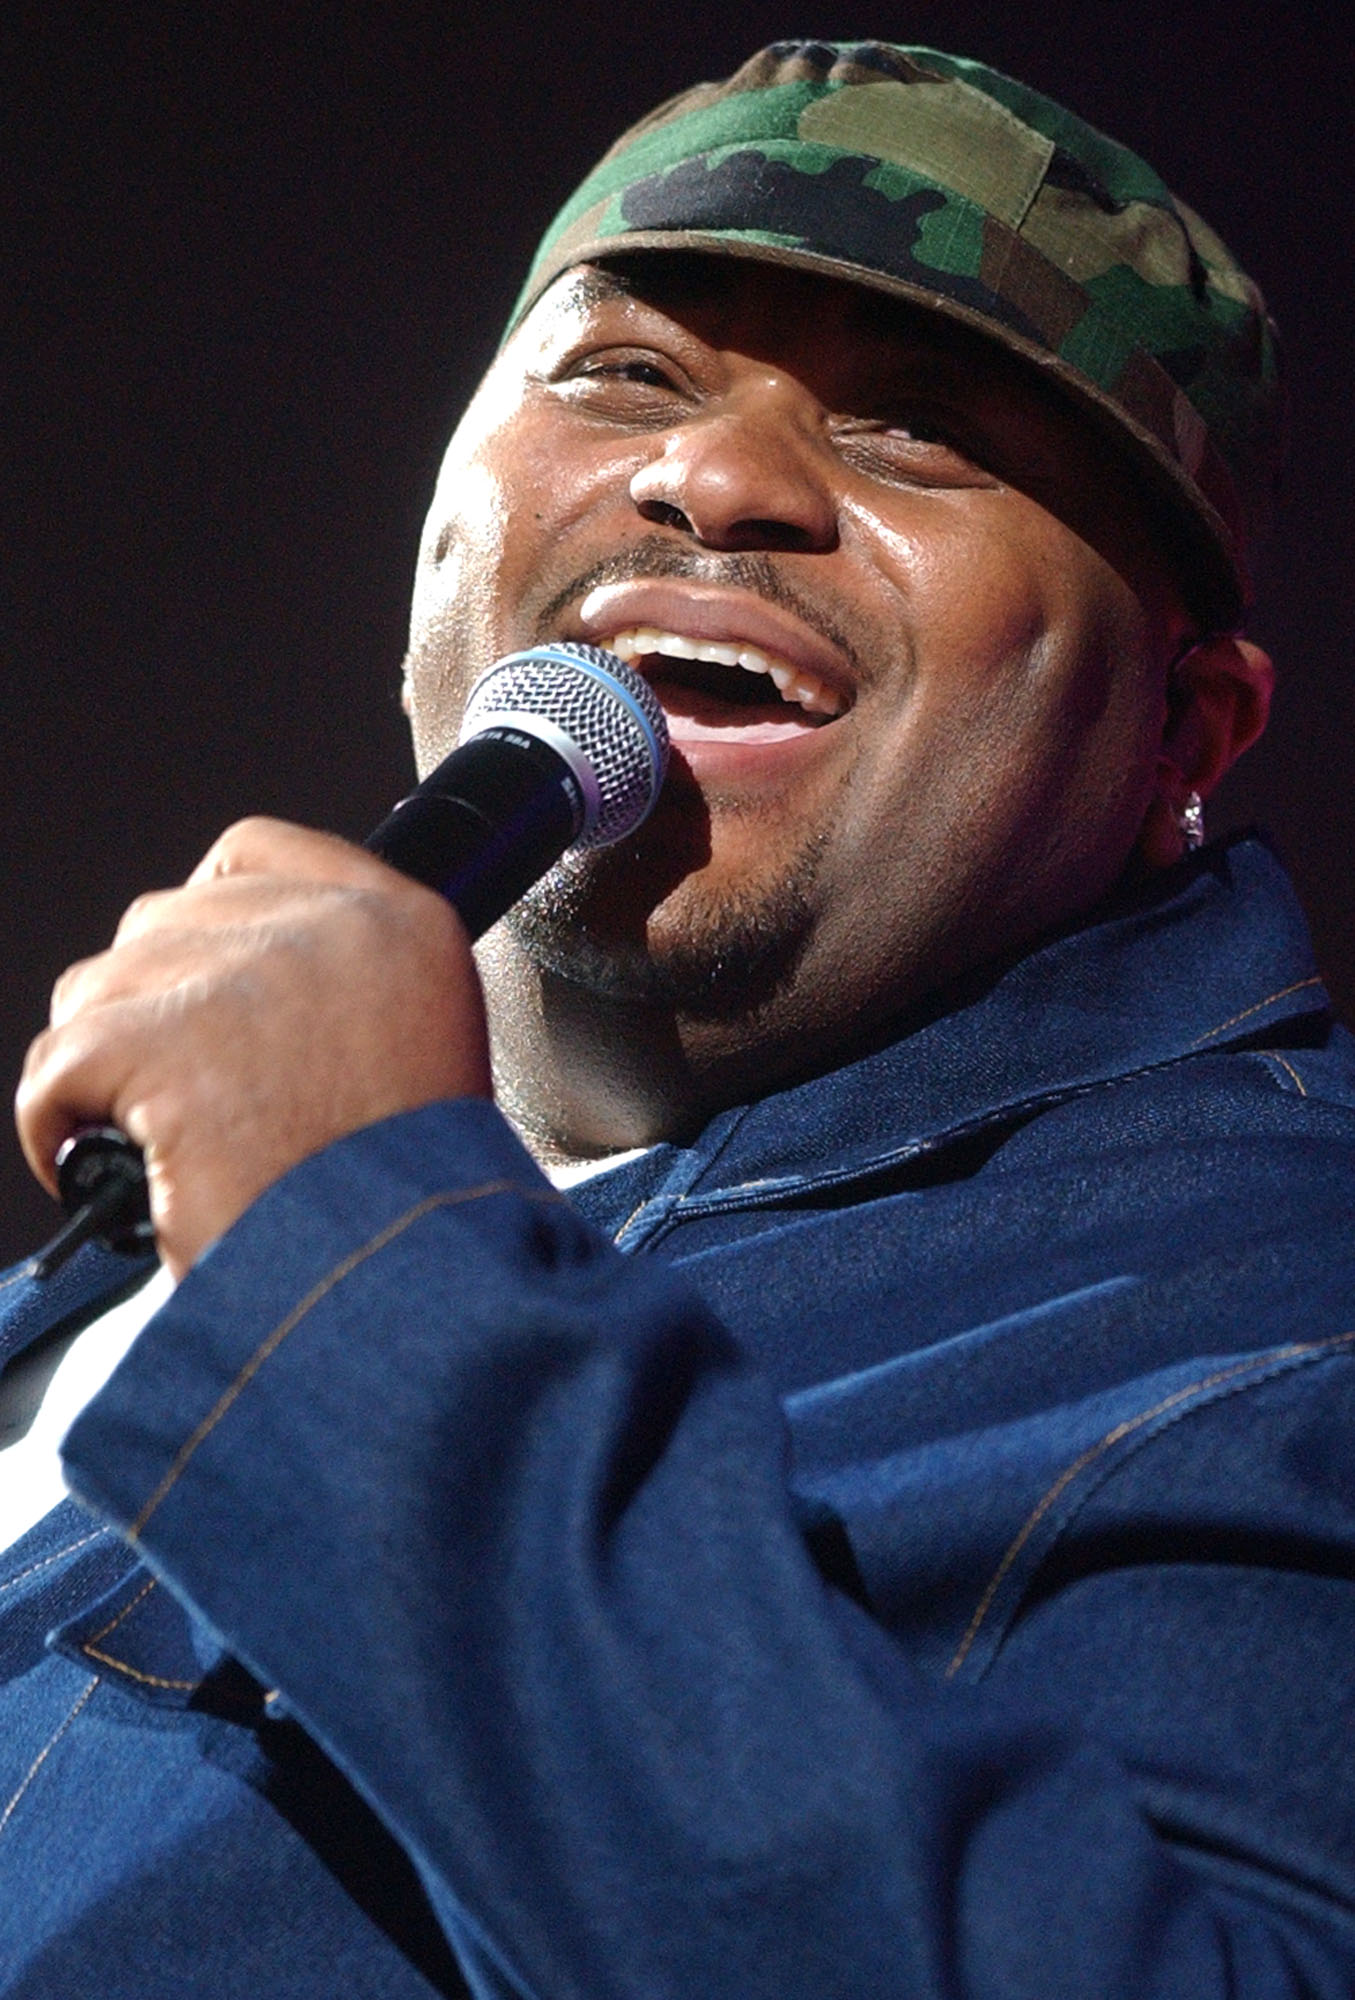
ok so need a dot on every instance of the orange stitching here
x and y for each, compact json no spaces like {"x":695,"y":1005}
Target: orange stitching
{"x":1269,"y":1001}
{"x":638,"y":1209}
{"x":69,"y":1550}
{"x":1291,"y":1070}
{"x":1094,"y":1451}
{"x":109,"y":1660}
{"x":45,"y":1752}
{"x":449,"y":1198}
{"x":134,"y":1673}
{"x":125,"y":1612}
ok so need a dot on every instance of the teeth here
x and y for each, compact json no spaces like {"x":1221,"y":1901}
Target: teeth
{"x":792,"y":683}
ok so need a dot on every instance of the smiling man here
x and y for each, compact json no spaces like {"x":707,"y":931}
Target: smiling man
{"x":914,"y":633}
{"x":889,"y":1528}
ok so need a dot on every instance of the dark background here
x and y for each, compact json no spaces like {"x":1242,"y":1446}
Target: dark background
{"x":261,"y":254}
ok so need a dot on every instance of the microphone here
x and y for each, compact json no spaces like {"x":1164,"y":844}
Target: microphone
{"x":562,"y":747}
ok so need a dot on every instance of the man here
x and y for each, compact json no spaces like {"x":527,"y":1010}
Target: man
{"x":918,"y":1560}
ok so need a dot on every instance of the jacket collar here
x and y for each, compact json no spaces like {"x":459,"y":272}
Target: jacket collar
{"x":1213,"y":953}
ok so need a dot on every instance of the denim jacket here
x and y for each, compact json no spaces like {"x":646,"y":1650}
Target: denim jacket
{"x":902,"y":1543}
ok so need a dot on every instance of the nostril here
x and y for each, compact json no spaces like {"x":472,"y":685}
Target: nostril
{"x":784,"y":535}
{"x":772,"y":535}
{"x":664,"y":515}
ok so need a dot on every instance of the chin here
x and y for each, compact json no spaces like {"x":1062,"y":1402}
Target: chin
{"x":597,"y":923}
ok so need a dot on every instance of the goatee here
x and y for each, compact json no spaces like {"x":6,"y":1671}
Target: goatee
{"x":709,"y":958}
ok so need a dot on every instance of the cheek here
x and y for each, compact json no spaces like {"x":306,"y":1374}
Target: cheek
{"x":470,"y":514}
{"x":505,"y":518}
{"x":1070,"y":756}
{"x":1030,"y":724}
{"x":499,"y":540}
{"x":963,"y":593}
{"x":462,"y":533}
{"x":1048,"y":647}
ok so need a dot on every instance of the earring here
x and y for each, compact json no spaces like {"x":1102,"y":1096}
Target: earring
{"x":1190,"y":820}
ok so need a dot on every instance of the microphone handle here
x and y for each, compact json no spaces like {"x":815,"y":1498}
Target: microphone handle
{"x":486,"y":824}
{"x":480,"y":829}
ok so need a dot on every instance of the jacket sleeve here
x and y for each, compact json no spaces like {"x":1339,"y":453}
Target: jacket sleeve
{"x":504,"y":1517}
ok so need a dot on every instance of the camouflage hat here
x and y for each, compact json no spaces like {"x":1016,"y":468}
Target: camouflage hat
{"x":932,"y":178}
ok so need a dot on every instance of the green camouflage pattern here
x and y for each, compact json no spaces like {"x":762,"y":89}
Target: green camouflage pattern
{"x":938,"y":180}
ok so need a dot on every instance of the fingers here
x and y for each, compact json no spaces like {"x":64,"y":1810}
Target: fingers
{"x":145,"y":962}
{"x":255,"y":851}
{"x":293,"y":990}
{"x":162,"y":933}
{"x":71,"y":1078}
{"x":252,"y":850}
{"x":260,"y":846}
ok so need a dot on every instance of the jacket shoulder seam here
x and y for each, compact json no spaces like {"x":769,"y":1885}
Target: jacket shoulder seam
{"x":1167,"y":1409}
{"x":1257,"y":1007}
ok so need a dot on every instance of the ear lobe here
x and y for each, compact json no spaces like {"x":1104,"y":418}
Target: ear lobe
{"x":1218,"y":705}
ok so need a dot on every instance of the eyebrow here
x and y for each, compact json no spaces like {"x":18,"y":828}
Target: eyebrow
{"x":591,"y":285}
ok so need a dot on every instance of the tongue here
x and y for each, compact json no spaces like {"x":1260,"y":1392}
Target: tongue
{"x":696,"y":716}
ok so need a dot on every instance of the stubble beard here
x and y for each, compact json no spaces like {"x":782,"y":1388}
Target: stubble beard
{"x":715,"y":957}
{"x":712,"y":957}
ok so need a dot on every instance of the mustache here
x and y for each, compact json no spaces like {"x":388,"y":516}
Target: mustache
{"x":748,"y":570}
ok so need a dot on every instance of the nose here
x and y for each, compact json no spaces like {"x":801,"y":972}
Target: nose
{"x":747,"y":472}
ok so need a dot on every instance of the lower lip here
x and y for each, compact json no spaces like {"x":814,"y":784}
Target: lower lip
{"x":711,"y":739}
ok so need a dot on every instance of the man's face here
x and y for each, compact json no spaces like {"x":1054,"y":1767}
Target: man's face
{"x":795,"y":480}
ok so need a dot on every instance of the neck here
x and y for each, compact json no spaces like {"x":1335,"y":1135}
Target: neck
{"x":579,"y":1074}
{"x":582,"y":1074}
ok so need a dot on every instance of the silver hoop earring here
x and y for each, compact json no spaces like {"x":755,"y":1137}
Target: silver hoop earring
{"x":1190,"y":820}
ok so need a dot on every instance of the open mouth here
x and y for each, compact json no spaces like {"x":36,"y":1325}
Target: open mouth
{"x":710,"y":681}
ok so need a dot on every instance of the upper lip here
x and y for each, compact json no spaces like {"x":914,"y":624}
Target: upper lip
{"x":715,"y":612}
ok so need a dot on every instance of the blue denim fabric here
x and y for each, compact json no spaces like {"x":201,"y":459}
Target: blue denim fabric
{"x":920,"y":1562}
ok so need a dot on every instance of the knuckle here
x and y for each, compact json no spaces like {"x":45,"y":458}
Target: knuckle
{"x":36,"y":1058}
{"x":399,"y":915}
{"x":140,"y":915}
{"x":66,"y":991}
{"x":221,"y":857}
{"x":262,"y":846}
{"x":254,"y":830}
{"x":237,"y":850}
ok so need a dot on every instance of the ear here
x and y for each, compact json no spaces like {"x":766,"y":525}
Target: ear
{"x":1218,"y":700}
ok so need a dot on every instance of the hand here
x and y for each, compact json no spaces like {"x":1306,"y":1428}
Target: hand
{"x":293,"y":990}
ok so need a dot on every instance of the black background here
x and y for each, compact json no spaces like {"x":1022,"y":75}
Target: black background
{"x":260,"y":256}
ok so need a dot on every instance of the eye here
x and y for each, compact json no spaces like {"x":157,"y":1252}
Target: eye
{"x":919,"y":447}
{"x":636,"y":368}
{"x":635,"y":385}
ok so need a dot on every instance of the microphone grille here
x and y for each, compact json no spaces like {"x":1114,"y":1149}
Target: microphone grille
{"x":610,"y":717}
